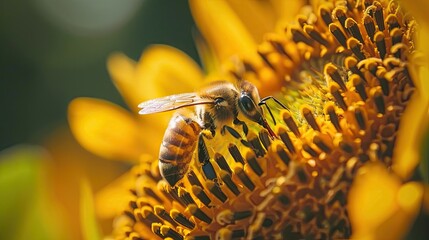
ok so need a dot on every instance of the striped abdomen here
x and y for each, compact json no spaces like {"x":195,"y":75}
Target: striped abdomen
{"x":177,"y":148}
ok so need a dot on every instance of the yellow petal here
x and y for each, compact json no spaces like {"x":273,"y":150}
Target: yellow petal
{"x":413,"y":126}
{"x":371,"y":199}
{"x":89,"y":226}
{"x":222,"y":28}
{"x":161,"y":71}
{"x":286,"y":11}
{"x":114,"y":198}
{"x":380,"y":207}
{"x":105,"y":129}
{"x":258,"y":17}
{"x":414,"y":123}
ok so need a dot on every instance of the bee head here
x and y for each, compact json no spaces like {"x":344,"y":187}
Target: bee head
{"x":248,"y":102}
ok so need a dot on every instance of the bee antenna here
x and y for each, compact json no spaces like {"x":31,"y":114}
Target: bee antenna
{"x":264,"y":102}
{"x":269,"y":110}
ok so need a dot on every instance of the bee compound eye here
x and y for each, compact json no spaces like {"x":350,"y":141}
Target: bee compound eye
{"x":218,"y":100}
{"x":246,"y":103}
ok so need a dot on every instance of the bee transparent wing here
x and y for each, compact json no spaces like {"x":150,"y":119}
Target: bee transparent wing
{"x":172,"y":102}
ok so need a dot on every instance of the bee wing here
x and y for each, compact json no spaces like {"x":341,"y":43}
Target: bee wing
{"x":172,"y":102}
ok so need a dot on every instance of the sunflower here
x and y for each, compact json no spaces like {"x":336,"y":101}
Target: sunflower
{"x":349,"y":77}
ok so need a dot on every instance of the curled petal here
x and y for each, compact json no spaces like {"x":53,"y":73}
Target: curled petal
{"x":111,"y":200}
{"x":222,"y":28}
{"x":413,"y":126}
{"x":379,"y":206}
{"x":161,"y":71}
{"x":104,"y":128}
{"x":90,"y":228}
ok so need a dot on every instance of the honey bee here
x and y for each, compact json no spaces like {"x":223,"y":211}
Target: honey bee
{"x":216,"y":106}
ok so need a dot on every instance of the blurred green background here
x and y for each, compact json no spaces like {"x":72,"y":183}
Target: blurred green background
{"x":55,"y":50}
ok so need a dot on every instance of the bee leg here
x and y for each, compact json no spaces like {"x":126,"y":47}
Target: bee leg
{"x":235,"y":134}
{"x":208,"y":123}
{"x":204,"y":158}
{"x":243,"y":125}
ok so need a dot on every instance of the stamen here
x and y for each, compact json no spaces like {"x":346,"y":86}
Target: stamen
{"x":383,"y":81}
{"x":279,"y":48}
{"x":356,"y":47}
{"x":314,"y":34}
{"x":340,"y":14}
{"x":130,"y":215}
{"x":335,"y":91}
{"x":346,"y":147}
{"x":330,"y":110}
{"x":156,"y":228}
{"x":233,"y":132}
{"x":283,"y":155}
{"x":181,"y":219}
{"x":253,"y":163}
{"x":256,"y":145}
{"x":227,"y":216}
{"x":398,"y":50}
{"x":396,"y":35}
{"x":392,"y":22}
{"x":265,"y":139}
{"x":185,"y":196}
{"x":360,"y":118}
{"x":151,"y":193}
{"x":379,"y":101}
{"x":193,"y":179}
{"x":147,"y":213}
{"x":133,"y":192}
{"x":368,"y":3}
{"x":308,"y":115}
{"x":215,"y":189}
{"x":168,"y":232}
{"x":378,"y":14}
{"x":284,"y":136}
{"x":353,"y":28}
{"x":309,"y":150}
{"x":369,"y":26}
{"x":338,"y":34}
{"x":226,"y":178}
{"x":201,"y":195}
{"x":235,"y":153}
{"x":287,"y":118}
{"x":325,"y":13}
{"x":359,"y":86}
{"x":244,"y":178}
{"x":301,"y":174}
{"x":320,"y":143}
{"x":266,"y":61}
{"x":351,"y":64}
{"x":160,"y":212}
{"x":209,"y":171}
{"x":381,"y":44}
{"x":299,"y":36}
{"x":331,"y":70}
{"x":221,"y":162}
{"x":133,"y":204}
{"x":198,"y":213}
